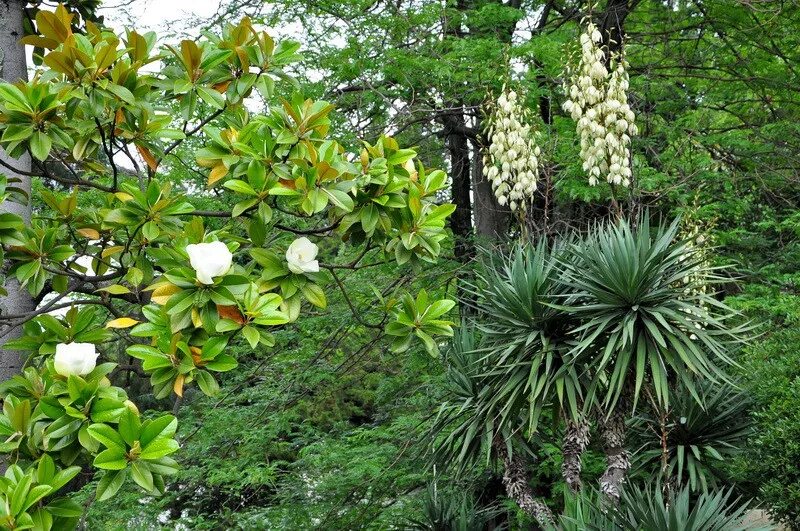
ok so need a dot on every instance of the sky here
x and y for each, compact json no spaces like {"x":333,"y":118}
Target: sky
{"x":157,"y":15}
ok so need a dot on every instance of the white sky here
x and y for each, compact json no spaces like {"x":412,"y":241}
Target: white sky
{"x":158,"y":15}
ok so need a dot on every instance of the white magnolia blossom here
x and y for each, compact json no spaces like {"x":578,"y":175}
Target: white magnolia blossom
{"x":597,"y":100}
{"x":76,"y":359}
{"x":209,"y":260}
{"x":301,"y":256}
{"x":511,"y":163}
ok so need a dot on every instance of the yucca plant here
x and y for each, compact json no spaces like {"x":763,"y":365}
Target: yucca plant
{"x":525,"y":328}
{"x":464,"y":429}
{"x":697,"y":439}
{"x":450,"y":511}
{"x":469,"y":429}
{"x":520,"y":364}
{"x":645,"y":321}
{"x":644,"y":317}
{"x":646,"y":509}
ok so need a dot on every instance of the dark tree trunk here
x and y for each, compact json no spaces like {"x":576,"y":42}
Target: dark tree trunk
{"x":461,"y":220}
{"x":13,"y":67}
{"x":576,"y":439}
{"x":612,"y":24}
{"x":491,"y":220}
{"x":518,"y":488}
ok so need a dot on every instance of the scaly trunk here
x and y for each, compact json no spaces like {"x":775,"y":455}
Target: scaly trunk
{"x":13,"y":67}
{"x":515,"y":480}
{"x":576,"y":439}
{"x":612,"y":433}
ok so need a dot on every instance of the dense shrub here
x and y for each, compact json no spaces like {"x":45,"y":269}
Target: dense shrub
{"x":770,"y":464}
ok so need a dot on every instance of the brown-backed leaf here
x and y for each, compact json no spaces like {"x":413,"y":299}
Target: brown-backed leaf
{"x":148,"y":157}
{"x":230,"y":312}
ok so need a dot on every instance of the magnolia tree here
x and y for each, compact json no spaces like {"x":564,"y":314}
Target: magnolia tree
{"x":120,"y":259}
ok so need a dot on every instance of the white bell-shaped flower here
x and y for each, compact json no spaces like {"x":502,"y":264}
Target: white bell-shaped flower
{"x":76,"y":359}
{"x":209,"y":260}
{"x":301,"y":256}
{"x":510,"y":160}
{"x":597,"y":100}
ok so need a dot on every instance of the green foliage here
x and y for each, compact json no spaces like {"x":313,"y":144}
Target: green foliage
{"x":27,"y":497}
{"x":526,"y":329}
{"x":771,"y":373}
{"x":446,"y":511}
{"x":645,"y":315}
{"x":701,"y":438}
{"x":645,"y":508}
{"x":311,"y":418}
{"x":422,"y":318}
{"x":127,"y":247}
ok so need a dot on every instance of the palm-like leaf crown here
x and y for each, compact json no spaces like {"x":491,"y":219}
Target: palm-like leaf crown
{"x":451,"y":511}
{"x":497,"y":387}
{"x":468,"y":424}
{"x":643,"y":320}
{"x":699,"y":439}
{"x":525,"y":328}
{"x":646,"y":509}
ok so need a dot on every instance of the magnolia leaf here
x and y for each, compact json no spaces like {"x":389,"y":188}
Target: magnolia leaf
{"x":163,"y":292}
{"x":92,"y":234}
{"x":148,"y":157}
{"x":122,"y":322}
{"x":115,"y":289}
{"x":230,"y":312}
{"x":218,"y":172}
{"x":110,"y":483}
{"x":177,"y":386}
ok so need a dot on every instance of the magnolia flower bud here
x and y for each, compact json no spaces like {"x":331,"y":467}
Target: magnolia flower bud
{"x":209,"y":260}
{"x":76,"y":359}
{"x":301,"y":256}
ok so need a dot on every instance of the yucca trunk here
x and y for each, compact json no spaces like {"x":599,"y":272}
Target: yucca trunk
{"x":518,"y":488}
{"x":618,"y":462}
{"x":576,"y":439}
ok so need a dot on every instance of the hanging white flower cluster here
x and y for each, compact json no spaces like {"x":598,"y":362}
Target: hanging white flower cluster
{"x":597,"y":100}
{"x":511,"y":163}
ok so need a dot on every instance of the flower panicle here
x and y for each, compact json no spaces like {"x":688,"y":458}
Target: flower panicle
{"x":511,"y":162}
{"x":597,"y":100}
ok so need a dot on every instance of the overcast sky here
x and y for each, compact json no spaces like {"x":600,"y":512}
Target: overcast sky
{"x":157,"y":15}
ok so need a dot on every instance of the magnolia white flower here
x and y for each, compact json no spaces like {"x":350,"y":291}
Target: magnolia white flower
{"x":209,"y":260}
{"x":75,"y":358}
{"x":301,"y":256}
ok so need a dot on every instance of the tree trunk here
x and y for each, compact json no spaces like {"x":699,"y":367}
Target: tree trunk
{"x":491,"y":220}
{"x":13,"y":67}
{"x":612,"y":25}
{"x":576,"y":439}
{"x":612,"y":433}
{"x":461,"y":220}
{"x":515,"y":480}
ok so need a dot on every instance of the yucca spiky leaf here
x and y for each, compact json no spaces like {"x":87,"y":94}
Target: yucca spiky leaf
{"x":644,"y":317}
{"x":699,"y":439}
{"x":521,"y":323}
{"x":646,"y":509}
{"x":469,"y":422}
